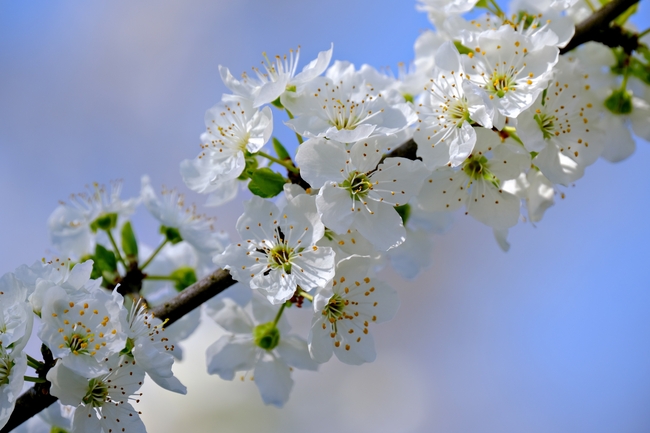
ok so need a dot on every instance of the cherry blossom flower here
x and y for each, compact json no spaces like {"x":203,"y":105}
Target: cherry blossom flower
{"x":278,"y":250}
{"x":345,"y":309}
{"x":266,"y":349}
{"x":102,"y":402}
{"x":270,"y":83}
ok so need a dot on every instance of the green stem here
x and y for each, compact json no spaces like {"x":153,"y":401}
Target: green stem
{"x":157,"y":250}
{"x":160,"y":277}
{"x":117,"y":250}
{"x":512,"y":133}
{"x":591,"y":6}
{"x":643,"y":33}
{"x":298,"y":136}
{"x":499,"y":12}
{"x":34,"y":361}
{"x":305,"y":295}
{"x":34,"y":379}
{"x":277,"y":316}
{"x":286,"y":164}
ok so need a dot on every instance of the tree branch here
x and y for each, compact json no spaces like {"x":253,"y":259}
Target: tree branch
{"x":194,"y":296}
{"x":594,"y":28}
{"x":38,"y":398}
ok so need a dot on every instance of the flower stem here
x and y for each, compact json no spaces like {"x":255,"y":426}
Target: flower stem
{"x":117,"y":250}
{"x":643,"y":33}
{"x":157,"y":250}
{"x":280,"y":311}
{"x":286,"y":164}
{"x":512,"y":133}
{"x":298,"y":136}
{"x":591,"y":6}
{"x":34,"y":379}
{"x":34,"y":363}
{"x":499,"y":12}
{"x":305,"y":295}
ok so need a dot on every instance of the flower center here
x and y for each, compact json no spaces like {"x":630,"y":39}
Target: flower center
{"x":545,"y":122}
{"x":280,"y":257}
{"x":358,"y":184}
{"x":476,"y":168}
{"x":6,"y":364}
{"x":77,"y":343}
{"x":266,"y":336}
{"x":500,"y":84}
{"x":334,"y":308}
{"x":458,"y":112}
{"x":97,"y":393}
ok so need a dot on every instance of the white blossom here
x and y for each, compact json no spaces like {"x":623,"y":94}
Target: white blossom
{"x":356,"y":192}
{"x":477,"y":183}
{"x":84,"y":328}
{"x":345,"y":309}
{"x":278,"y":252}
{"x":70,"y":223}
{"x":102,"y":402}
{"x":266,"y":349}
{"x":270,"y":83}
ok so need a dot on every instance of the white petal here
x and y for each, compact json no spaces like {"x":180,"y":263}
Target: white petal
{"x":230,"y":354}
{"x":273,"y":379}
{"x":295,"y":352}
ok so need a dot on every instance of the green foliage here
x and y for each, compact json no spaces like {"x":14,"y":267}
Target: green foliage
{"x":280,"y":150}
{"x":105,"y":264}
{"x":622,"y":18}
{"x":251,"y":166}
{"x":129,"y":242}
{"x":619,"y":102}
{"x":278,"y":104}
{"x":462,"y":48}
{"x":105,"y":222}
{"x":266,"y":183}
{"x":172,"y":234}
{"x":183,"y":278}
{"x":266,"y":336}
{"x":404,"y":211}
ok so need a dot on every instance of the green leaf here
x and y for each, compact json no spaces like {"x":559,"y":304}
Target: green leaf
{"x":129,"y":243}
{"x":278,"y":104}
{"x":462,"y":49}
{"x":128,"y":348}
{"x":106,"y":222}
{"x":484,"y":4}
{"x":183,"y":278}
{"x":640,"y":70}
{"x":404,"y":211}
{"x":251,"y":166}
{"x":619,"y":102}
{"x":622,"y":18}
{"x":266,"y":183}
{"x":105,"y":261}
{"x":172,"y":234}
{"x":280,"y":150}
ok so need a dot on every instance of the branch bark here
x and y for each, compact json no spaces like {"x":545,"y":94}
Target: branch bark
{"x":594,"y":28}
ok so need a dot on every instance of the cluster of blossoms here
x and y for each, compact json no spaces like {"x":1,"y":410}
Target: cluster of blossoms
{"x":490,"y":119}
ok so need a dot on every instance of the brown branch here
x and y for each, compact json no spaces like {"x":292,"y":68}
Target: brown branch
{"x":38,"y":398}
{"x":595,"y":28}
{"x":194,"y":296}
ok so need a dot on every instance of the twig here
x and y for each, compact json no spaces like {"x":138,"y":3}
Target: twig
{"x":595,"y":27}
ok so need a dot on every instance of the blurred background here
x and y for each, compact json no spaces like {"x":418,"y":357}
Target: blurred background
{"x":553,"y":336}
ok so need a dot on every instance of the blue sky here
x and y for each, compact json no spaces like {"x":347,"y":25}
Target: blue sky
{"x":551,"y":336}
